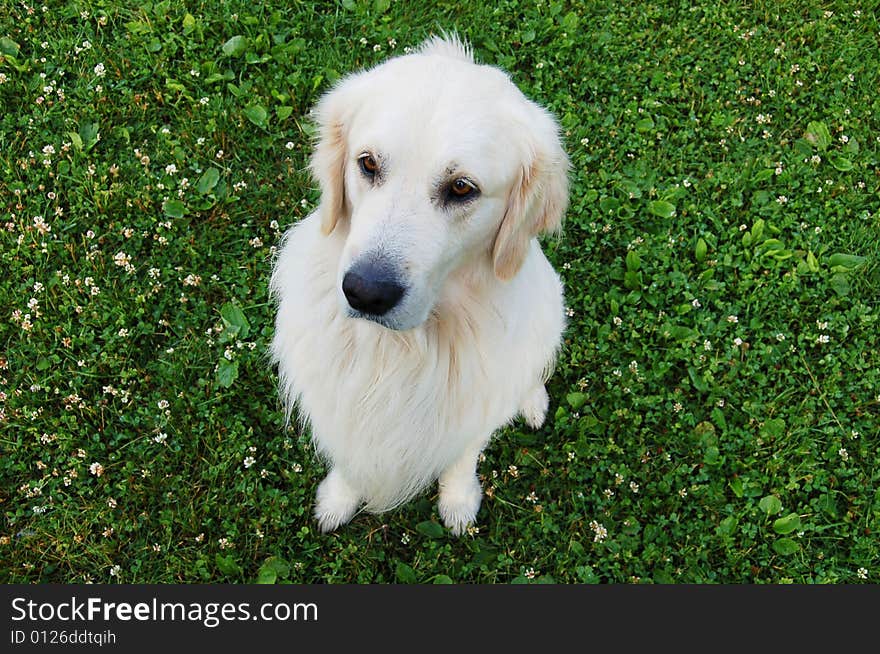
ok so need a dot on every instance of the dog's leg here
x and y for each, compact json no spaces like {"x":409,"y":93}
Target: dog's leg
{"x":460,"y":492}
{"x":534,"y":407}
{"x":336,"y":501}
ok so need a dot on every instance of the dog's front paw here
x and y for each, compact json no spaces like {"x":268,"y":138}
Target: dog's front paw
{"x":534,"y":409}
{"x":459,"y":503}
{"x":336,"y":502}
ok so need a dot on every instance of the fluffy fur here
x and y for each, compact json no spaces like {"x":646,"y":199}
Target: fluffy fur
{"x":399,"y":401}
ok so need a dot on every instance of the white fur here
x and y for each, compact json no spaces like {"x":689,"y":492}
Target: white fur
{"x":395,"y":406}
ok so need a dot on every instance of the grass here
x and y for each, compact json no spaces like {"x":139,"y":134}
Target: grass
{"x":714,"y":413}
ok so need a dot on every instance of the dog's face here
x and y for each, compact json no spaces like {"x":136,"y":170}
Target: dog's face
{"x":430,"y":162}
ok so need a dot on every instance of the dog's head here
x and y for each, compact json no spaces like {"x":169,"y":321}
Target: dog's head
{"x":429,"y":162}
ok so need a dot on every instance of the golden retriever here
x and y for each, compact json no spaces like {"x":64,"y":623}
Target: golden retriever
{"x":417,"y":313}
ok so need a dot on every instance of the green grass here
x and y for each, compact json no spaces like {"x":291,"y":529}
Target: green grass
{"x":714,"y":412}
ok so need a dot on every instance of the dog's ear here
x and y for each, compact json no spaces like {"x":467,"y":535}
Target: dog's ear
{"x":333,"y":113}
{"x":538,"y":198}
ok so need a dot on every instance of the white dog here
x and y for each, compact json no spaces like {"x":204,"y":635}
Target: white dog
{"x":417,"y":313}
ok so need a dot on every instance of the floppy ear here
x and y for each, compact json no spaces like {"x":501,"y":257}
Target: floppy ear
{"x":538,"y":198}
{"x":328,"y":160}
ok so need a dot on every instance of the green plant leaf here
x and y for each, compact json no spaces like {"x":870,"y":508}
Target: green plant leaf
{"x":89,"y":134}
{"x":817,"y":135}
{"x":227,"y":372}
{"x":757,"y":230}
{"x":257,"y":114}
{"x":662,"y":208}
{"x":840,"y":262}
{"x":266,"y":576}
{"x":761,"y":175}
{"x":174,"y":208}
{"x":772,"y":428}
{"x":787,"y":524}
{"x":208,"y":180}
{"x":840,"y":163}
{"x":633,"y":262}
{"x":632,"y":280}
{"x":727,"y":527}
{"x":443,"y":579}
{"x":576,"y":400}
{"x":736,"y":486}
{"x":283,"y":112}
{"x":8,"y":46}
{"x":712,"y":455}
{"x":840,"y":284}
{"x":719,"y":419}
{"x":700,"y":250}
{"x":235,"y":322}
{"x":646,"y":124}
{"x":697,"y":380}
{"x":227,"y":565}
{"x":570,"y":22}
{"x":828,"y":505}
{"x":430,"y":529}
{"x":785,"y":546}
{"x":235,"y":46}
{"x":273,"y":568}
{"x":405,"y":574}
{"x":76,"y":139}
{"x":770,"y":504}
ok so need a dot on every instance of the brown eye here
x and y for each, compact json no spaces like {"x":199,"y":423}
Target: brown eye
{"x":462,"y":189}
{"x":369,"y":165}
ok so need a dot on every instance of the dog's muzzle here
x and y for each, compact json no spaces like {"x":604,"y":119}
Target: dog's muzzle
{"x":372,"y":288}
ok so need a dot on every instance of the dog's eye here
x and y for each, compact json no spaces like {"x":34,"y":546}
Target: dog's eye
{"x":369,"y":165}
{"x":462,"y":189}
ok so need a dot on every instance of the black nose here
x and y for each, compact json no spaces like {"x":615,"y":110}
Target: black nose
{"x":371,"y":289}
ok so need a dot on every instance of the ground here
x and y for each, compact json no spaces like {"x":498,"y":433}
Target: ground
{"x":714,"y":411}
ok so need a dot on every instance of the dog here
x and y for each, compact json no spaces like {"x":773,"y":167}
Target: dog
{"x":416,"y":311}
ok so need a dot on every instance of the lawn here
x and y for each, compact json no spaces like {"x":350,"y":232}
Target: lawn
{"x":715,"y":410}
